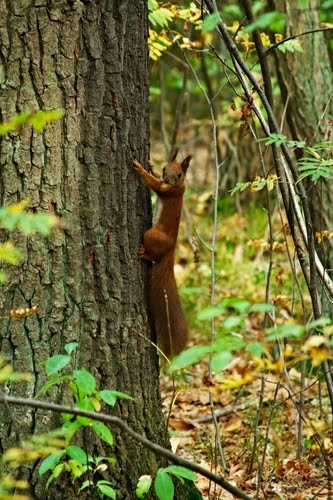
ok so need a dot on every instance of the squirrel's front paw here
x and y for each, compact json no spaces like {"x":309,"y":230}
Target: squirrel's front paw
{"x":137,"y":165}
{"x":141,"y":251}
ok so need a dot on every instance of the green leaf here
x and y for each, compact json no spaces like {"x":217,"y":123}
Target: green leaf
{"x":189,"y":357}
{"x":178,"y":470}
{"x":221,"y":360}
{"x":69,"y":348}
{"x":56,"y":363}
{"x":103,"y":432}
{"x":238,"y":304}
{"x":107,"y":396}
{"x":227,"y":342}
{"x":76,"y":453}
{"x":318,"y":323}
{"x":192,"y":290}
{"x":290,"y":46}
{"x":49,"y":462}
{"x":263,"y":307}
{"x":152,"y":4}
{"x":10,"y":254}
{"x":50,"y":383}
{"x":296,"y":144}
{"x":76,"y":468}
{"x":71,"y":428}
{"x":110,"y":397}
{"x":122,"y":395}
{"x":40,"y":119}
{"x":255,"y":348}
{"x":143,"y":486}
{"x":240,"y":186}
{"x":267,"y":20}
{"x":164,"y":487}
{"x":106,"y":489}
{"x":210,"y":22}
{"x":85,"y":381}
{"x":85,"y":404}
{"x":49,"y":481}
{"x":211,"y":312}
{"x":58,"y":470}
{"x":277,"y":139}
{"x":86,"y":484}
{"x":284,"y":331}
{"x":233,"y":322}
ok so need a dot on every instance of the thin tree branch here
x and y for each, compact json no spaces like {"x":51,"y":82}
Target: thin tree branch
{"x":110,"y":419}
{"x":213,"y":245}
{"x":273,"y":47}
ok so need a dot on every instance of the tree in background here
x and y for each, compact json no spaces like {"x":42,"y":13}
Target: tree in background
{"x":306,"y":84}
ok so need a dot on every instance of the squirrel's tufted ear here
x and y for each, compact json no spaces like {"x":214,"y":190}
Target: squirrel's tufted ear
{"x":175,"y":153}
{"x":185,"y":163}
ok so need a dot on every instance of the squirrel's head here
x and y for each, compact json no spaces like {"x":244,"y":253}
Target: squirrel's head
{"x":174,"y":173}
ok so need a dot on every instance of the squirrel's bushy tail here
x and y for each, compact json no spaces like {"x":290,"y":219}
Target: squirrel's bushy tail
{"x":167,"y":312}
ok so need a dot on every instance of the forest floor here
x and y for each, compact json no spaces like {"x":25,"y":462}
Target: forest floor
{"x":284,"y":476}
{"x":289,"y":442}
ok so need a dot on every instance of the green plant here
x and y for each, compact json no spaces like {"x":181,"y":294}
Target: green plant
{"x":232,"y":315}
{"x":163,"y":484}
{"x":72,"y":458}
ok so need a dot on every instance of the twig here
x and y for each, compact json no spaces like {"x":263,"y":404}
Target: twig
{"x":263,"y":458}
{"x":223,"y":413}
{"x":256,"y":426}
{"x":110,"y":419}
{"x":213,"y":245}
{"x":273,"y":47}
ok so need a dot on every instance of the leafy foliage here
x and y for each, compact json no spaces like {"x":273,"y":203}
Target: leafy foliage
{"x":257,"y":184}
{"x":314,"y":164}
{"x":162,"y":16}
{"x":37,"y":119}
{"x":163,"y":484}
{"x":57,"y":448}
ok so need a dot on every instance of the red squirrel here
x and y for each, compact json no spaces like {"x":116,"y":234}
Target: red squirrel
{"x":159,"y":247}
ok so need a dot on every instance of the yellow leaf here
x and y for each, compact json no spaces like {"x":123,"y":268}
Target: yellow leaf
{"x":5,"y":373}
{"x":18,"y":207}
{"x":265,"y":39}
{"x":235,"y":26}
{"x":317,"y":348}
{"x":96,"y":403}
{"x":314,"y":341}
{"x":13,"y":454}
{"x":271,"y":181}
{"x":235,"y":383}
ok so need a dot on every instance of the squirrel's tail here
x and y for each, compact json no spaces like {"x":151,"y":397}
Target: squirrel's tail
{"x":170,"y":322}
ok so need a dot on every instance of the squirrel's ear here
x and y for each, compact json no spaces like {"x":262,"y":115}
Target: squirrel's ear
{"x":175,"y":153}
{"x":185,"y":163}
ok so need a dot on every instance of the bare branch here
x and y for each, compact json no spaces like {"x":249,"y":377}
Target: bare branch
{"x":110,"y":419}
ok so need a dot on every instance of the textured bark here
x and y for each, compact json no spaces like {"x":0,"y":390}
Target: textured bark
{"x":89,"y":58}
{"x":307,"y":79}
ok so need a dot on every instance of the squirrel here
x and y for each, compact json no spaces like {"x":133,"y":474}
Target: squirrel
{"x":159,"y":248}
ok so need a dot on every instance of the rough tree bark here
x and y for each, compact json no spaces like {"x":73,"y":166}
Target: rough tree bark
{"x":306,"y":82}
{"x":89,"y":58}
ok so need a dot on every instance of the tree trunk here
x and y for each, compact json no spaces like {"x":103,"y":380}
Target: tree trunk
{"x":89,"y":58}
{"x":306,"y":80}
